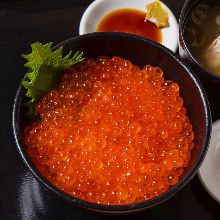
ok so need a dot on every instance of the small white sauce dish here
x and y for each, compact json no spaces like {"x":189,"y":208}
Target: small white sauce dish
{"x":209,"y":172}
{"x":100,"y":8}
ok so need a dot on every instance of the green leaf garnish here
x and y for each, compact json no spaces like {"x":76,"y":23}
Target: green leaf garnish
{"x":45,"y":68}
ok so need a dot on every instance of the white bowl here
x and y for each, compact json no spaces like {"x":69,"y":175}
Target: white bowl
{"x":99,"y":8}
{"x":209,"y":172}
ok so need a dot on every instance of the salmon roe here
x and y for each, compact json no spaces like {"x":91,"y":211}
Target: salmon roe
{"x":112,"y":133}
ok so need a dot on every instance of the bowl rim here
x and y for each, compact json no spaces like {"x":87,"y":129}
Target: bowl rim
{"x":181,"y":35}
{"x":201,"y":172}
{"x":96,"y":4}
{"x":117,"y":208}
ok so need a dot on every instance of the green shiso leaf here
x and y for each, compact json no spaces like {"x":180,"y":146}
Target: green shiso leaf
{"x":45,"y":67}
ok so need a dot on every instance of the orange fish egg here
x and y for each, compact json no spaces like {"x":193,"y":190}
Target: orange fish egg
{"x":112,"y":133}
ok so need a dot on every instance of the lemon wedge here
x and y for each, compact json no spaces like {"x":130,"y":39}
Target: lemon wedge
{"x":157,"y":14}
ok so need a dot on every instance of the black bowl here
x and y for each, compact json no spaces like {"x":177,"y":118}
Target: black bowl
{"x":210,"y":81}
{"x":140,"y":51}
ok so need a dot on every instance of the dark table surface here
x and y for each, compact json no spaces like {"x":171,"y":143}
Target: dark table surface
{"x":21,"y":197}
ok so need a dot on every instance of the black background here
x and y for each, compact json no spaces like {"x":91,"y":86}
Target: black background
{"x":21,"y":197}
